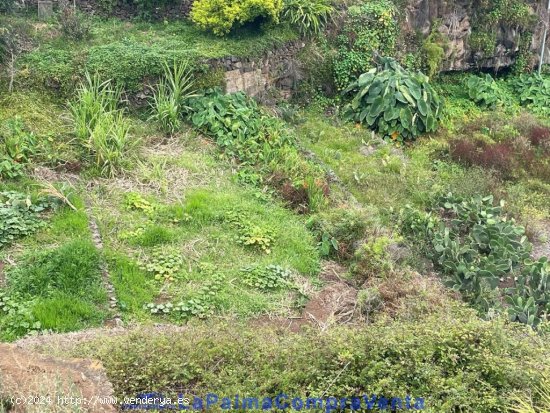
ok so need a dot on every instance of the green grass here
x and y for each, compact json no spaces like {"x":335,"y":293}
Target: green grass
{"x":191,"y":197}
{"x":72,"y":268}
{"x":128,"y":52}
{"x":64,"y":312}
{"x":387,"y":177}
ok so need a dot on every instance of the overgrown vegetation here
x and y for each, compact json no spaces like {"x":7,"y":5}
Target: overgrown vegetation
{"x":478,"y":248}
{"x":332,"y":231}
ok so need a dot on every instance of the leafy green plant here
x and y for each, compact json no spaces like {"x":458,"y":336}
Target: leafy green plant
{"x":269,"y":278}
{"x":202,"y":304}
{"x":530,"y":298}
{"x":17,"y":147}
{"x":9,"y":169}
{"x":164,"y":264}
{"x":20,"y":216}
{"x":16,"y":318}
{"x":534,"y":92}
{"x":221,"y":16}
{"x":135,"y":201}
{"x":19,"y":144}
{"x":261,"y":143}
{"x":170,"y":96}
{"x":309,"y":16}
{"x":251,"y":234}
{"x":485,"y":91}
{"x":394,"y":102}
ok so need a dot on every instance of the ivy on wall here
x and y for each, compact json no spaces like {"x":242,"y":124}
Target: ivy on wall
{"x":488,"y":15}
{"x":370,"y":29}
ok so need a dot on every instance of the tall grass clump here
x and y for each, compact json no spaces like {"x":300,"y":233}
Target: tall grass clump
{"x":100,"y":126}
{"x":308,"y":16}
{"x":170,"y":96}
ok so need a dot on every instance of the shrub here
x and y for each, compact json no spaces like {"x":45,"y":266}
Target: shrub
{"x":534,"y":92}
{"x":221,"y":16}
{"x":394,"y":102}
{"x":498,"y":156}
{"x":74,"y":25}
{"x":338,"y":231}
{"x":456,"y":361}
{"x":370,"y":30}
{"x":485,"y":91}
{"x":309,"y":16}
{"x":540,"y":136}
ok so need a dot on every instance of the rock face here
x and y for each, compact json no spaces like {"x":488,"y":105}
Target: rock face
{"x":34,"y":383}
{"x":455,"y":23}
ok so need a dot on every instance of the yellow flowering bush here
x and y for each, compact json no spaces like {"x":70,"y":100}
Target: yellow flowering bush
{"x":220,"y":16}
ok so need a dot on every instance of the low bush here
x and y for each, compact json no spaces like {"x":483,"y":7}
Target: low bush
{"x":339,"y":231}
{"x":398,"y":104}
{"x":221,"y":16}
{"x":74,"y":25}
{"x":499,"y":156}
{"x":455,"y":361}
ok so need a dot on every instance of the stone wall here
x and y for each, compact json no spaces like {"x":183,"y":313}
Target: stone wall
{"x":276,"y":70}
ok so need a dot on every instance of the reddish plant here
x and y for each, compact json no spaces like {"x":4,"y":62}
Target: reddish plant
{"x":464,"y":151}
{"x":500,"y":156}
{"x":539,"y":136}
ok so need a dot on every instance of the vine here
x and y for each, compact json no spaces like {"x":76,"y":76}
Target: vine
{"x":489,"y":15}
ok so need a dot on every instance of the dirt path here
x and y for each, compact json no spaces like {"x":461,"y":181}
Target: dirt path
{"x":30,"y":382}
